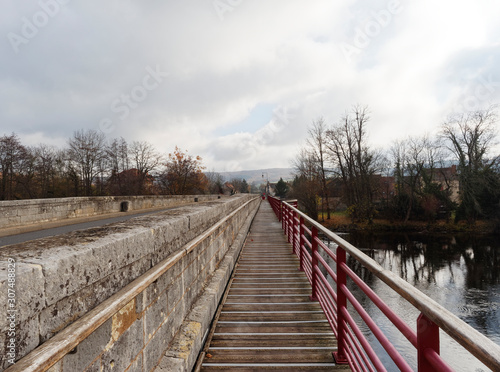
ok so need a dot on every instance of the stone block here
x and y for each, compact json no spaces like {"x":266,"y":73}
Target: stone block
{"x":116,"y":250}
{"x":88,"y":350}
{"x":158,"y":343}
{"x":188,"y":343}
{"x":95,"y":367}
{"x":121,"y":353}
{"x":155,"y":315}
{"x":170,"y":364}
{"x":26,"y":340}
{"x":28,"y":291}
{"x":56,"y":317}
{"x":137,"y":364}
{"x":175,"y":293}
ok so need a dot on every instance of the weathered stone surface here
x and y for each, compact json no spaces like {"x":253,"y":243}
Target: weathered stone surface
{"x":26,"y":340}
{"x":187,"y":344}
{"x":56,"y":367}
{"x":95,"y":367}
{"x":155,"y":315}
{"x":109,"y":258}
{"x":119,"y":355}
{"x":27,"y":291}
{"x":158,"y":342}
{"x":31,"y":211}
{"x":56,"y":317}
{"x":172,"y":364}
{"x":137,"y":364}
{"x":175,"y":293}
{"x":88,"y":350}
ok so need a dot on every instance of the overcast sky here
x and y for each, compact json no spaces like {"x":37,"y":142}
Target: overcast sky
{"x":239,"y":81}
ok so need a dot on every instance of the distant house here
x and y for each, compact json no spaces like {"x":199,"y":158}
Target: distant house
{"x":130,"y":182}
{"x":448,"y":179}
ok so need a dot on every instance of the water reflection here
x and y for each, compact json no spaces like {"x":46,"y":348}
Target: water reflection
{"x":460,"y":272}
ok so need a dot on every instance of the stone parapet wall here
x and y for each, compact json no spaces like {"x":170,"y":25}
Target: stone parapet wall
{"x":34,"y":211}
{"x":59,"y":279}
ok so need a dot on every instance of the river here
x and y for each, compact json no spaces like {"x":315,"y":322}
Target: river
{"x":460,"y":272}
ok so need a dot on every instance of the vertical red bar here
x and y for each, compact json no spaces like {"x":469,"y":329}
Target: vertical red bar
{"x":285,"y":221}
{"x":314,"y":264}
{"x":288,"y":222}
{"x":295,"y":237}
{"x":427,"y":338}
{"x":282,"y":215}
{"x":301,"y":242}
{"x":340,"y":354}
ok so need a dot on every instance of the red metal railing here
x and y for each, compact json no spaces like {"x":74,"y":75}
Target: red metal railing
{"x":353,"y":347}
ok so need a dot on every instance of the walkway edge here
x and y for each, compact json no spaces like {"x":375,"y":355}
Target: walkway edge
{"x":187,"y":344}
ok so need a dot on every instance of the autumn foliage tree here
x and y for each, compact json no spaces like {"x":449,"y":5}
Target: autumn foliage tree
{"x":183,"y":174}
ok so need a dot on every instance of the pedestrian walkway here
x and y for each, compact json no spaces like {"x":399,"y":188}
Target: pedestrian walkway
{"x":267,"y":321}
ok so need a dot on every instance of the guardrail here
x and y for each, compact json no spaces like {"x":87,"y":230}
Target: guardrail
{"x":353,"y":347}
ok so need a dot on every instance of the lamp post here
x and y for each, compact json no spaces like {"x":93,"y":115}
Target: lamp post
{"x":267,"y":184}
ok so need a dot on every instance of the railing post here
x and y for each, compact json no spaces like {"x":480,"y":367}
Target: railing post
{"x":288,"y":223}
{"x":340,"y":354}
{"x":282,"y":215}
{"x":295,"y":234}
{"x":427,"y":338}
{"x":301,"y":242}
{"x":314,"y":264}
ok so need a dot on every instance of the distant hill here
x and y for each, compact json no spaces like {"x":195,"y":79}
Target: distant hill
{"x":256,"y":175}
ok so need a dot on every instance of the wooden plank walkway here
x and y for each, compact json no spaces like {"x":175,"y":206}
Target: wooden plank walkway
{"x":267,"y":321}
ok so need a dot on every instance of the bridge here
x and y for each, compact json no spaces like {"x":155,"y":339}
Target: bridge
{"x":232,"y":283}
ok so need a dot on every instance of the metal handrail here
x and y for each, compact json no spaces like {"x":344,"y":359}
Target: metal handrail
{"x":433,"y":316}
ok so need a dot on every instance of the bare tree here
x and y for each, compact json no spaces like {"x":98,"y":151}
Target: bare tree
{"x":354,"y":162}
{"x":25,"y":174}
{"x":146,"y":160}
{"x":409,"y":164}
{"x":45,"y":168}
{"x":215,"y":182}
{"x":470,"y":137}
{"x":11,"y":153}
{"x":86,"y":151}
{"x":117,"y":154}
{"x":307,"y":183}
{"x":317,"y":144}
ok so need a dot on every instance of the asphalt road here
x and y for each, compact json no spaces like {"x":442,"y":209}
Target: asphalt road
{"x":24,"y":237}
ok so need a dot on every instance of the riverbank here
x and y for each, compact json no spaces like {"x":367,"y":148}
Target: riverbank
{"x":342,"y":223}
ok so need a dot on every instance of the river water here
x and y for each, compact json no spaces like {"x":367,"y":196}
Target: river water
{"x":460,"y":272}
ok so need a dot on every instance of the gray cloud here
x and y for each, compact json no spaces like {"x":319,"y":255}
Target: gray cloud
{"x":86,"y":61}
